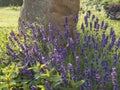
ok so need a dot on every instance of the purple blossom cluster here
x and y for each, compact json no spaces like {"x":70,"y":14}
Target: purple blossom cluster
{"x":90,"y":55}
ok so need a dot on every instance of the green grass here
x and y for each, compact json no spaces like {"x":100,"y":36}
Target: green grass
{"x":8,"y":17}
{"x":8,"y":21}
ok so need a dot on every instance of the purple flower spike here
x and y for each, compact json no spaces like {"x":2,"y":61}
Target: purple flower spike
{"x":110,"y":46}
{"x":111,"y":32}
{"x":12,"y":33}
{"x":104,"y":64}
{"x":82,"y":27}
{"x":106,"y":76}
{"x":47,"y":85}
{"x":82,"y":51}
{"x":56,"y":42}
{"x":26,"y":72}
{"x":98,"y":26}
{"x":89,"y":38}
{"x":31,"y":25}
{"x":102,"y":24}
{"x":69,"y":66}
{"x":71,"y":71}
{"x":86,"y":59}
{"x":87,"y":73}
{"x":95,"y":24}
{"x":97,"y":20}
{"x":115,"y":59}
{"x":81,"y":87}
{"x":115,"y":87}
{"x":113,"y":38}
{"x":114,"y":75}
{"x":76,"y":18}
{"x":72,"y":44}
{"x":15,"y":38}
{"x":22,"y":47}
{"x":97,"y":77}
{"x":88,"y":14}
{"x":86,"y":20}
{"x":90,"y":25}
{"x":85,"y":44}
{"x":23,"y":33}
{"x":93,"y":16}
{"x":77,"y":38}
{"x":93,"y":39}
{"x":104,"y":40}
{"x":96,"y":46}
{"x":9,"y":49}
{"x":63,"y":74}
{"x":33,"y":87}
{"x":105,"y":26}
{"x":88,"y":85}
{"x":77,"y":59}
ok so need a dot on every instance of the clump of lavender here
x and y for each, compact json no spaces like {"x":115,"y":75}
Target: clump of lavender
{"x":114,"y":80}
{"x":89,"y":56}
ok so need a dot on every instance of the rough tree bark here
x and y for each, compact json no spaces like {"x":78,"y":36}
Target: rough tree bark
{"x":54,"y":11}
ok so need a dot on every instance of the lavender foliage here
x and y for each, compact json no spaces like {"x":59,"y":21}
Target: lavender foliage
{"x":90,"y":56}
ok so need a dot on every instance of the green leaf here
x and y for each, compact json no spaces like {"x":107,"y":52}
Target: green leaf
{"x":2,"y":77}
{"x":80,"y":83}
{"x":35,"y":69}
{"x":42,"y":66}
{"x":37,"y":64}
{"x":25,"y":82}
{"x":26,"y":87}
{"x":3,"y":85}
{"x":56,"y":81}
{"x":72,"y":83}
{"x":37,"y":75}
{"x":56,"y":78}
{"x":42,"y":87}
{"x":76,"y":84}
{"x":47,"y":73}
{"x":64,"y":88}
{"x":55,"y":84}
{"x":45,"y":76}
{"x":13,"y":82}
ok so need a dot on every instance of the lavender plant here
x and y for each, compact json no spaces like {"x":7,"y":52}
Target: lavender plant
{"x":89,"y":61}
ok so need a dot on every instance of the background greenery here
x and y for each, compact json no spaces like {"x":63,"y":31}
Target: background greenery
{"x":11,"y":2}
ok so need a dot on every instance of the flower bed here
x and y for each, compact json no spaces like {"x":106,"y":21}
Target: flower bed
{"x":49,"y":60}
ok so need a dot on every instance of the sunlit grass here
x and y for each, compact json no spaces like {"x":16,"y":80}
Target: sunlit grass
{"x":8,"y":17}
{"x":8,"y":21}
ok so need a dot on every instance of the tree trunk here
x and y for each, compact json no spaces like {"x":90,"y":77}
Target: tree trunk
{"x":53,"y":11}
